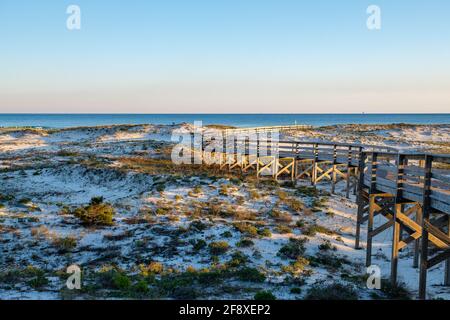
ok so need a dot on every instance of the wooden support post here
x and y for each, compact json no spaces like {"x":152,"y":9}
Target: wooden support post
{"x":395,"y":242}
{"x":447,"y":262}
{"x":425,"y":218}
{"x":349,"y":171}
{"x":257,"y":154}
{"x":398,"y":209}
{"x":314,"y":165}
{"x":276,"y":168}
{"x":333,"y":180}
{"x":360,"y":198}
{"x":373,"y":186}
{"x":369,"y":230}
{"x":417,"y":241}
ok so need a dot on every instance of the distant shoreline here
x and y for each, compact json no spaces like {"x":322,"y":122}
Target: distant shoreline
{"x":59,"y":121}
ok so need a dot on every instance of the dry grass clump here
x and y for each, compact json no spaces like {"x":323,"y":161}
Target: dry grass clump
{"x":312,"y":230}
{"x":218,"y":247}
{"x":280,"y":216}
{"x":66,"y":243}
{"x":246,"y":228}
{"x":283,"y":229}
{"x":62,"y":243}
{"x":296,"y":267}
{"x":152,"y":268}
{"x":254,"y":195}
{"x":195,"y":192}
{"x":139,"y":219}
{"x":41,"y":232}
{"x":293,"y":249}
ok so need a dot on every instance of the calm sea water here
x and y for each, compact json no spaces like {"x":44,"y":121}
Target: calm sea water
{"x":239,"y":120}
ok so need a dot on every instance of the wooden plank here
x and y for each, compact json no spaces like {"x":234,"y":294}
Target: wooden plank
{"x":441,"y":257}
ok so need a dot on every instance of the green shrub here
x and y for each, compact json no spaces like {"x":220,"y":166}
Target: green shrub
{"x":312,"y":230}
{"x":141,"y":286}
{"x":319,"y":202}
{"x":96,"y":200}
{"x":250,"y":274}
{"x":395,"y":292}
{"x":121,"y":281}
{"x":300,"y":223}
{"x":296,"y":290}
{"x":307,"y":191}
{"x":184,"y":293}
{"x":328,"y":260}
{"x":38,"y":282}
{"x":218,"y":247}
{"x":238,"y":259}
{"x":38,"y":278}
{"x":24,"y":200}
{"x":296,"y":267}
{"x":198,"y":225}
{"x":6,"y":197}
{"x":293,"y":249}
{"x":264,"y":295}
{"x":336,"y":291}
{"x":160,"y":186}
{"x":246,"y":228}
{"x":327,"y":246}
{"x":199,"y":245}
{"x":226,"y":234}
{"x":265,"y":232}
{"x":245,"y":243}
{"x":162,"y":211}
{"x":95,"y":214}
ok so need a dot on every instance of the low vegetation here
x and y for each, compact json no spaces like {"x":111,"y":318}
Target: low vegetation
{"x":97,"y":213}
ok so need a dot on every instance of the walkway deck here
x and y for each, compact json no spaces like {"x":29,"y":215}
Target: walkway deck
{"x":411,"y":190}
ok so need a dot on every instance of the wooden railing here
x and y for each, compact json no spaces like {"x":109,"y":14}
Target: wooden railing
{"x":381,"y":167}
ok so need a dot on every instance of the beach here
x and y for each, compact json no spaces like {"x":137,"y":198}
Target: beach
{"x":184,"y":232}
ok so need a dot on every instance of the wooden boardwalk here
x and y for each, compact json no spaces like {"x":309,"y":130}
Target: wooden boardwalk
{"x":411,"y":191}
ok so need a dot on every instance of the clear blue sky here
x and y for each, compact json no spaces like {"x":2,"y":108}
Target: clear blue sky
{"x":224,"y":56}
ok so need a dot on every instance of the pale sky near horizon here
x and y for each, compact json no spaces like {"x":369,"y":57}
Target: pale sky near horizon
{"x":225,"y":56}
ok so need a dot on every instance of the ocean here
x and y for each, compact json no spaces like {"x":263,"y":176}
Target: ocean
{"x":238,"y":120}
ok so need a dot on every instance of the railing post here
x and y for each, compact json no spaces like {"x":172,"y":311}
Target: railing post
{"x":396,"y":236}
{"x":192,"y":148}
{"x":314,"y":168}
{"x":425,"y":218}
{"x":349,"y":163}
{"x":447,"y":262}
{"x":359,"y":197}
{"x":333,"y":181}
{"x":373,"y":186}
